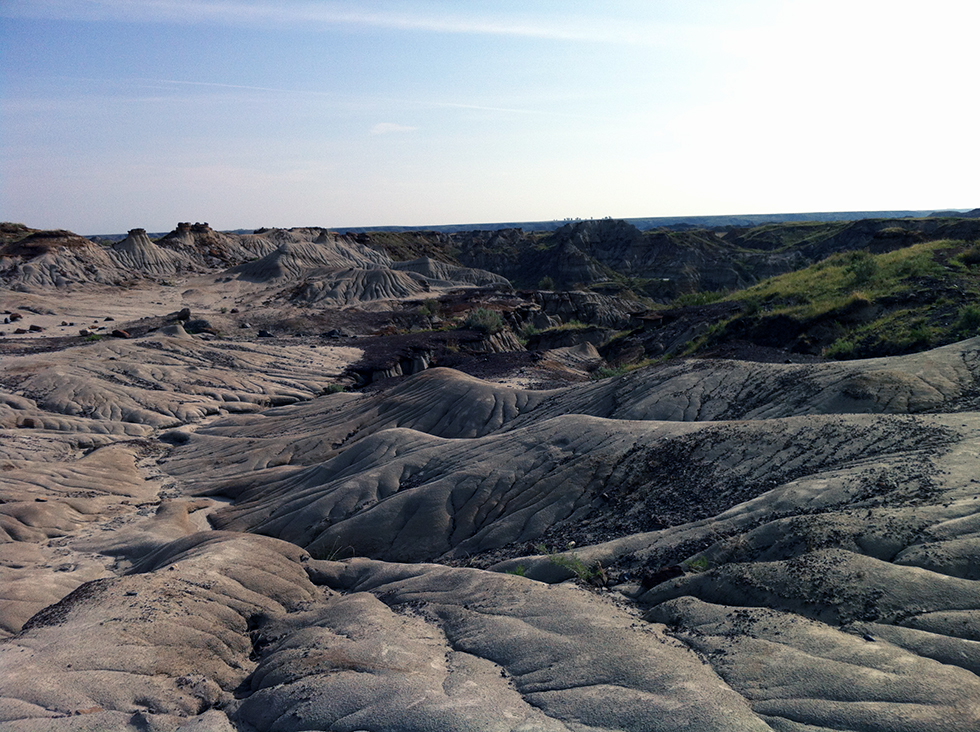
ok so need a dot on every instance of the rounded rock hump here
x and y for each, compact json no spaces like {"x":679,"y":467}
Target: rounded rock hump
{"x":293,"y":259}
{"x":445,"y":274}
{"x":137,"y":253}
{"x":57,"y":258}
{"x":358,"y":285}
{"x":209,"y":248}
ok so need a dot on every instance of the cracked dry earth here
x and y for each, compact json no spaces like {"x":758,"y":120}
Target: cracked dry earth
{"x":195,"y":538}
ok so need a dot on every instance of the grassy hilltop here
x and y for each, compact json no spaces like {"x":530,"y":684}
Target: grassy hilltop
{"x":859,"y":305}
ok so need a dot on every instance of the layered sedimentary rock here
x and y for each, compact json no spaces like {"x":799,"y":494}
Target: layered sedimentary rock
{"x":197,"y":535}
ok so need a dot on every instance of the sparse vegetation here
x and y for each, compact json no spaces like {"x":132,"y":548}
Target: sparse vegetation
{"x":862,"y":268}
{"x":608,"y":372}
{"x":484,"y":320}
{"x":971,"y":256}
{"x":591,"y":574}
{"x":570,"y":325}
{"x":696,"y":298}
{"x":841,"y":349}
{"x":428,"y":308}
{"x":588,"y":573}
{"x":700,"y":564}
{"x":857,"y":304}
{"x":968,"y":322}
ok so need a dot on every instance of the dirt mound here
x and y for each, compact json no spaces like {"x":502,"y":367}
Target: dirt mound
{"x":447,"y":275}
{"x":138,"y":254}
{"x":348,"y":286}
{"x":209,"y":248}
{"x":294,"y":259}
{"x":60,"y":259}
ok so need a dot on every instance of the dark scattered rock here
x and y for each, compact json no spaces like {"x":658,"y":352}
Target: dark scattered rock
{"x":119,"y":334}
{"x":84,"y":332}
{"x":175,"y":437}
{"x":200,"y":325}
{"x":265,"y":334}
{"x":35,"y":328}
{"x":653,"y":578}
{"x":108,"y":319}
{"x":21,"y":331}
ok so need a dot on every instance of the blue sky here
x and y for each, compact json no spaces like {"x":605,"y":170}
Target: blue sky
{"x":246,"y":113}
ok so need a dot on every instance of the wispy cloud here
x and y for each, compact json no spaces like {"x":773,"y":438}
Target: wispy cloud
{"x":418,"y":17}
{"x":381,"y":128}
{"x":388,"y":128}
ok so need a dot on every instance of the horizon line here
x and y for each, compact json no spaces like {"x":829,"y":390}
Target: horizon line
{"x":905,"y":213}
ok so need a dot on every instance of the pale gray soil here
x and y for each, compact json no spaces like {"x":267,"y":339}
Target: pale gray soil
{"x":196,"y":535}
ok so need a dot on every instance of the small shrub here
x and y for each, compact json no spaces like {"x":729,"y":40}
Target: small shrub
{"x":608,"y":372}
{"x":841,"y":349}
{"x":752,"y":306}
{"x":592,"y":574}
{"x":570,"y":325}
{"x":696,"y":298}
{"x":863,"y":268}
{"x":334,"y":388}
{"x":857,"y":300}
{"x":93,"y":337}
{"x":428,"y":308}
{"x":546,"y":283}
{"x":528,"y":330}
{"x":918,"y":264}
{"x":696,"y":565}
{"x":968,"y":324}
{"x":485,"y":321}
{"x":971,"y":257}
{"x":921,"y":336}
{"x":520,"y":570}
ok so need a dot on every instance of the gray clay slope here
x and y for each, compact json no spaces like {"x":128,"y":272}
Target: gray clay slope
{"x":697,"y":546}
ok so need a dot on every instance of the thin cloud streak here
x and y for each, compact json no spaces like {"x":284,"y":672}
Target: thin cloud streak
{"x":239,"y":12}
{"x":417,"y":103}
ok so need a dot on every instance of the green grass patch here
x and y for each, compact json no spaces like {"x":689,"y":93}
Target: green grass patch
{"x":858,"y":304}
{"x":901,"y":331}
{"x":968,"y":321}
{"x":570,"y":325}
{"x":829,"y":285}
{"x":689,"y":299}
{"x":484,"y":320}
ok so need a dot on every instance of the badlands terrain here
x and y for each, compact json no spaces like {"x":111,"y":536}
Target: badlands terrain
{"x":295,"y":481}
